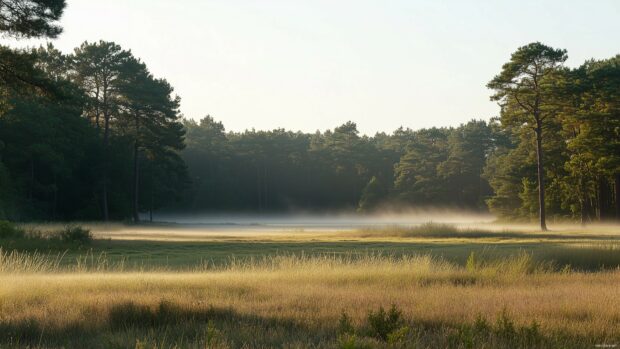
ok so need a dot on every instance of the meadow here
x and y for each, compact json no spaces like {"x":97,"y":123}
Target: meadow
{"x":430,"y":286}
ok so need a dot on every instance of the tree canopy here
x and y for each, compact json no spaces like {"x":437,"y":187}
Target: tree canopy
{"x":31,"y":18}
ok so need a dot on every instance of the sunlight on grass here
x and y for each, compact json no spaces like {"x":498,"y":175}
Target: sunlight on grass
{"x":301,"y":297}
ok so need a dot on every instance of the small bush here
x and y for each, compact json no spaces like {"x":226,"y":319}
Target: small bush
{"x":9,"y":230}
{"x":398,"y":336}
{"x":472,"y":263}
{"x":74,"y":233}
{"x":505,"y":327}
{"x":351,"y":341}
{"x":481,"y":325}
{"x":531,"y":334}
{"x":345,"y":326}
{"x":383,"y":323}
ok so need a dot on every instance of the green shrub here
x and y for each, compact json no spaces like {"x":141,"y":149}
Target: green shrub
{"x":398,"y":336}
{"x":344,"y":324}
{"x":504,"y":326}
{"x":531,"y":334}
{"x":9,"y":230}
{"x":75,"y":233}
{"x":472,"y":263}
{"x":383,"y":323}
{"x":481,"y":325}
{"x":351,"y":341}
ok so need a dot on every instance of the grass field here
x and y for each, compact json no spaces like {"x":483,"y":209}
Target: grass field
{"x":176,"y":286}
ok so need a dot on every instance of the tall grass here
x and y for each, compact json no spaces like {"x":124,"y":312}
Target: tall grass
{"x":16,"y":262}
{"x":443,"y":230}
{"x":297,"y":301}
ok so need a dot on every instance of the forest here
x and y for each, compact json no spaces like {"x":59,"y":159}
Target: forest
{"x":93,"y":135}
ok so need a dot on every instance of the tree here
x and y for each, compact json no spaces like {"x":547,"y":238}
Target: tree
{"x":19,"y":75}
{"x":592,"y":132}
{"x":149,"y":117}
{"x":26,"y":19}
{"x":206,"y":154}
{"x":524,"y":90}
{"x":468,"y":147}
{"x":415,"y":176}
{"x":47,"y":141}
{"x":31,"y":18}
{"x":98,"y":69}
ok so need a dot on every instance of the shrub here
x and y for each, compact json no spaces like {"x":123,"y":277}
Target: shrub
{"x":74,"y":233}
{"x":383,"y":323}
{"x":472,"y":263}
{"x":9,"y":230}
{"x":398,"y":336}
{"x":344,"y":324}
{"x":505,"y":327}
{"x":351,"y":341}
{"x":531,"y":334}
{"x":481,"y":325}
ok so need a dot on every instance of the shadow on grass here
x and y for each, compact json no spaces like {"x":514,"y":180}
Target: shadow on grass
{"x":130,"y":315}
{"x":127,"y":321}
{"x":129,"y":324}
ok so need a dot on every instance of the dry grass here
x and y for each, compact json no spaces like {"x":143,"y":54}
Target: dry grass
{"x":289,"y":301}
{"x":499,"y":297}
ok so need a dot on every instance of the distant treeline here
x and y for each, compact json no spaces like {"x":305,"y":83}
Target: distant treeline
{"x":93,"y":135}
{"x":336,"y":169}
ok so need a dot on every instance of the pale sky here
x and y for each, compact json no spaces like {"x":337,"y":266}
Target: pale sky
{"x":308,"y":65}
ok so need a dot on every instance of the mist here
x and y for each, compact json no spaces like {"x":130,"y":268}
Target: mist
{"x":254,"y":224}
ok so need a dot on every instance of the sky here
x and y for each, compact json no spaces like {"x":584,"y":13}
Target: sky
{"x":313,"y":65}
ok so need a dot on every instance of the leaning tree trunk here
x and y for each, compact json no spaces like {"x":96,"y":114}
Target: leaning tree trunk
{"x":541,"y":180}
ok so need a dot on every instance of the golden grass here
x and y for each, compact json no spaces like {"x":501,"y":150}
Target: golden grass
{"x":284,"y":300}
{"x":297,"y":300}
{"x":431,"y":232}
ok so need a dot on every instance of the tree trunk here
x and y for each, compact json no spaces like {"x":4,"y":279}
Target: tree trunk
{"x":604,"y":199}
{"x":265,"y":195}
{"x":617,"y":194}
{"x":55,"y":203}
{"x":584,"y":214}
{"x":106,"y":139}
{"x":583,"y":202}
{"x":152,"y":199}
{"x":136,"y":183}
{"x":31,"y":187}
{"x":541,"y":180}
{"x":104,"y":200}
{"x":259,"y":188}
{"x":97,"y":107}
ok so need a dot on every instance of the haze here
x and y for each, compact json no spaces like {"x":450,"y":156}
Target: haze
{"x":316,"y":64}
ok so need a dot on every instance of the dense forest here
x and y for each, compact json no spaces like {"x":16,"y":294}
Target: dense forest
{"x":92,"y":134}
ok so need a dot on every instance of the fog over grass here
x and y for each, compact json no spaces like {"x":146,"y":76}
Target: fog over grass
{"x":349,"y":221}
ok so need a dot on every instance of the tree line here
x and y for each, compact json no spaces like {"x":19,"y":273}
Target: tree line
{"x":94,"y":135}
{"x":336,"y":169}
